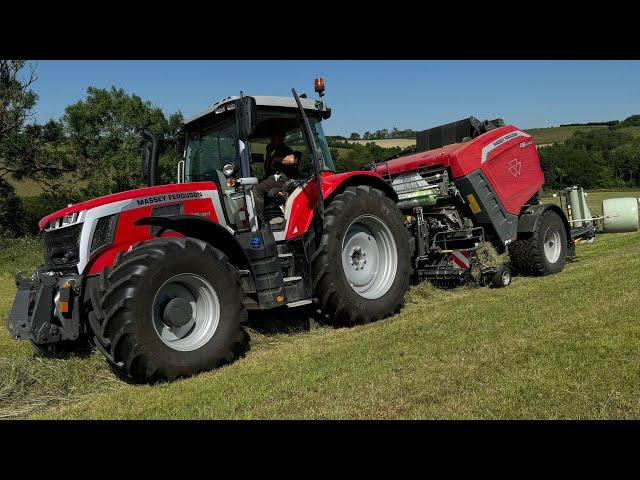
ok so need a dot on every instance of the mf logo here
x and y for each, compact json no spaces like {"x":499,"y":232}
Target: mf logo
{"x":514,"y":167}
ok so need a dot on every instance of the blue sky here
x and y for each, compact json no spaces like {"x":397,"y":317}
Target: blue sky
{"x":368,"y":95}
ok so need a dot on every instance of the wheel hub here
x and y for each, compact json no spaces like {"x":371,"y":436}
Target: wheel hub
{"x":186,"y":312}
{"x":177,"y":312}
{"x":369,"y":257}
{"x":358,"y":258}
{"x":552,"y":246}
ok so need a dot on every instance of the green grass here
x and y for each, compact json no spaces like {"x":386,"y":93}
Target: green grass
{"x":563,"y":346}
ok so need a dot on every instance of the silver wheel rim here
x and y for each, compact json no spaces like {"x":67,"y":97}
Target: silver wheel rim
{"x":205,"y":312}
{"x":506,"y":277}
{"x":552,"y":246}
{"x":369,"y":257}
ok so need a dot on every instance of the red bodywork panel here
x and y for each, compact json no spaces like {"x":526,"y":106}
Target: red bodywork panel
{"x":195,"y":198}
{"x":507,"y":156}
{"x":304,"y":205}
{"x":127,"y":234}
{"x":127,"y":195}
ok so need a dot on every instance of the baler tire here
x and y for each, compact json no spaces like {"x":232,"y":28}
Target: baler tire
{"x":527,"y":254}
{"x":122,"y":319}
{"x":340,"y":304}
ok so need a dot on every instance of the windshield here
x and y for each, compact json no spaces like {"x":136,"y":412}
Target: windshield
{"x":321,"y":144}
{"x":209,"y":151}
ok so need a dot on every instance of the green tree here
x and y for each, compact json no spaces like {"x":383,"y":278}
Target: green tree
{"x":17,"y":101}
{"x":105,"y":134}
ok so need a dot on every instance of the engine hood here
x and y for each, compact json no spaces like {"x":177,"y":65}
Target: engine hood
{"x":127,"y":195}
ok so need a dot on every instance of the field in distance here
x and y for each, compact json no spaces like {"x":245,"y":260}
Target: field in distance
{"x":543,"y":136}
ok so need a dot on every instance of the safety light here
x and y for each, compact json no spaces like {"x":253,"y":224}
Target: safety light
{"x":318,"y":85}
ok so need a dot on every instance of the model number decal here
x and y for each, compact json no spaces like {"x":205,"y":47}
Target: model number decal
{"x":500,"y":141}
{"x":167,"y":198}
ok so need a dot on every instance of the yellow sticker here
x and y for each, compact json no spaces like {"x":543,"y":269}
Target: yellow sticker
{"x":473,"y":204}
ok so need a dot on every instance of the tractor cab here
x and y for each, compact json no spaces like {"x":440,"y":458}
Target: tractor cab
{"x":228,"y":144}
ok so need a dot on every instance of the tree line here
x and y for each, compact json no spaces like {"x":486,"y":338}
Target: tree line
{"x":601,"y":158}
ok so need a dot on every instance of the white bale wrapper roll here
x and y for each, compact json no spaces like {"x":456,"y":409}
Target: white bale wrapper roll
{"x":620,"y":214}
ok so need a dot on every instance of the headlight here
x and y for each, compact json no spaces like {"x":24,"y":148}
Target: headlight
{"x":67,"y":220}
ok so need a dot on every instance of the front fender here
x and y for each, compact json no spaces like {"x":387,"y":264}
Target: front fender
{"x":206,"y":230}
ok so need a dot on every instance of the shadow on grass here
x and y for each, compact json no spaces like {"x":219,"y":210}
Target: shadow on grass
{"x":283,"y":321}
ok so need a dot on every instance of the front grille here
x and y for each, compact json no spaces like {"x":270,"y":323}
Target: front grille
{"x":103,"y":233}
{"x":62,"y":246}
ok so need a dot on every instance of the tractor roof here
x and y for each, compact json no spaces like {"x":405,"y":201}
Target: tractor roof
{"x":227,"y":104}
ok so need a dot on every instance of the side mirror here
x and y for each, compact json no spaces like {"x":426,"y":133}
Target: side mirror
{"x":257,"y":158}
{"x":246,"y":113}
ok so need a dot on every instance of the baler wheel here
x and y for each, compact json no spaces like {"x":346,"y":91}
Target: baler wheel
{"x":169,"y":308}
{"x":501,"y":278}
{"x":544,"y":251}
{"x":361,"y":268}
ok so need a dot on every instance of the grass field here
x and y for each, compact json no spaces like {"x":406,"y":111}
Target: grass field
{"x":564,"y":346}
{"x":389,"y":142}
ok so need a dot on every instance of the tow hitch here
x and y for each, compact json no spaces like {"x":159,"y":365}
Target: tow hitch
{"x":46,"y":308}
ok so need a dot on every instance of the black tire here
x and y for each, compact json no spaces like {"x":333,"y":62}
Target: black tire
{"x":502,"y":277}
{"x":340,"y":304}
{"x":528,"y":254}
{"x":122,"y":315}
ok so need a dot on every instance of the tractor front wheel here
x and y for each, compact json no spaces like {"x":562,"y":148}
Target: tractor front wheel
{"x":361,"y":268}
{"x":169,"y":308}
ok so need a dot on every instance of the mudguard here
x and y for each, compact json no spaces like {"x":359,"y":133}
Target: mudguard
{"x":529,"y":217}
{"x":301,"y":210}
{"x":204,"y":229}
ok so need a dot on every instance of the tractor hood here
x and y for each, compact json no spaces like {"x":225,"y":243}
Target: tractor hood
{"x":142,"y":193}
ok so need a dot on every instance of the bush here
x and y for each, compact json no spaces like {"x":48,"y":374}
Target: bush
{"x":10,"y":211}
{"x":34,"y":208}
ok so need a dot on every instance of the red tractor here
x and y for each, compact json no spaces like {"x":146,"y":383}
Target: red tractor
{"x":160,"y":278}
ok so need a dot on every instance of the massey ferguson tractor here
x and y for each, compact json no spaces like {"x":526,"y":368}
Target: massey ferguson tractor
{"x":160,"y":278}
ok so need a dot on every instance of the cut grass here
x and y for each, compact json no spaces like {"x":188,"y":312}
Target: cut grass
{"x":563,"y":346}
{"x":527,"y":351}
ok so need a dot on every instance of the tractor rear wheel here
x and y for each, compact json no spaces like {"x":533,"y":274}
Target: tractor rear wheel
{"x":361,"y":268}
{"x":544,"y":251}
{"x":169,"y":308}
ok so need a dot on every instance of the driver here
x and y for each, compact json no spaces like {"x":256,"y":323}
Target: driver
{"x":280,"y":165}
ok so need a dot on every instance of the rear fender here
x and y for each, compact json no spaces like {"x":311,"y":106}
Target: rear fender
{"x":302,"y":208}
